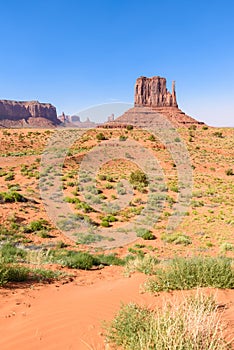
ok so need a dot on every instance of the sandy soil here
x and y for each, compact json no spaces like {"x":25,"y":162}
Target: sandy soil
{"x":70,"y":316}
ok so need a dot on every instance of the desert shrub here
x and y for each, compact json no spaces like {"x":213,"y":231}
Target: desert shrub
{"x":193,"y":127}
{"x":12,"y":273}
{"x":137,"y":178}
{"x":144,"y":233}
{"x":11,"y":197}
{"x":129,"y":127}
{"x":229,"y":172}
{"x":182,"y":273}
{"x":14,"y":187}
{"x":110,"y":259}
{"x":226,"y":246}
{"x":35,"y":226}
{"x":10,"y":253}
{"x":176,"y":238}
{"x":120,"y":188}
{"x":71,"y":200}
{"x":109,"y":218}
{"x":88,"y":238}
{"x":122,"y":138}
{"x":85,"y":207}
{"x":109,"y":186}
{"x":109,"y":178}
{"x":218,"y":134}
{"x":205,"y":127}
{"x":196,"y":204}
{"x":151,"y":138}
{"x":78,"y":260}
{"x":10,"y":176}
{"x":17,"y":273}
{"x":61,"y":245}
{"x":100,"y":136}
{"x":174,"y":188}
{"x":42,"y":275}
{"x":192,"y":325}
{"x":146,"y":264}
{"x":83,"y":260}
{"x":105,"y":223}
{"x":102,"y":177}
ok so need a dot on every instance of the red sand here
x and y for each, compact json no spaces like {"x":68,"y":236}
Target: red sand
{"x":70,"y":316}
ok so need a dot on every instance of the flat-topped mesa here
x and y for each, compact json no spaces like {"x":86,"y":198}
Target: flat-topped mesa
{"x":31,"y":113}
{"x":152,"y":92}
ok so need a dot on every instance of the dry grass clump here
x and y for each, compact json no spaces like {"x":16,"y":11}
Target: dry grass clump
{"x":192,"y":325}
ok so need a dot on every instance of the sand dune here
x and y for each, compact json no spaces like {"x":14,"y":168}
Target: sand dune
{"x":70,"y":316}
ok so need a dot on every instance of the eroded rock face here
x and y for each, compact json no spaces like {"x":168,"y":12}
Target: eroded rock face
{"x":21,"y":113}
{"x":152,"y":92}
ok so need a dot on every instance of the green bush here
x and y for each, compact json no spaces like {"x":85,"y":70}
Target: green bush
{"x":35,"y":226}
{"x":10,"y":253}
{"x":83,"y":260}
{"x":152,"y":138}
{"x":105,"y":223}
{"x":122,"y":138}
{"x":100,"y":136}
{"x":110,"y":259}
{"x":12,"y":273}
{"x":16,"y":273}
{"x":109,"y":218}
{"x":79,"y":260}
{"x":138,"y":177}
{"x":11,"y":197}
{"x":182,"y":273}
{"x":145,"y":234}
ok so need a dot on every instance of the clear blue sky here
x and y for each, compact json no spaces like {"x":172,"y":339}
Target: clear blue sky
{"x":76,"y":53}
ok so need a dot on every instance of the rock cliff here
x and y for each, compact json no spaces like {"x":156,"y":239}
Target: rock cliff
{"x":27,"y":114}
{"x":152,"y":92}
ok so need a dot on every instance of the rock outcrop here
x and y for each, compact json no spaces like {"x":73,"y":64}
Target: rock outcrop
{"x":27,"y":114}
{"x":152,"y":92}
{"x":152,"y":99}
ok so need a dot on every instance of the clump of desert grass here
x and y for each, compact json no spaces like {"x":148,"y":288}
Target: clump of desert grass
{"x":194,"y":324}
{"x":189,"y":273}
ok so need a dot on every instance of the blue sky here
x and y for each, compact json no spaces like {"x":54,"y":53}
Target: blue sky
{"x":76,"y":54}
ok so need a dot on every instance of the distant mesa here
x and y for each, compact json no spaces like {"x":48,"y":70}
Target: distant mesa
{"x":152,"y":97}
{"x":27,"y":114}
{"x":74,"y":121}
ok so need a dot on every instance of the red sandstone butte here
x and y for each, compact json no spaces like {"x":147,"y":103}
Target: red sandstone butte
{"x":151,"y":100}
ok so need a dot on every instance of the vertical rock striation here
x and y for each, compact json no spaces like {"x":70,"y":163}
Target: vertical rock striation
{"x":152,"y":92}
{"x":21,"y":113}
